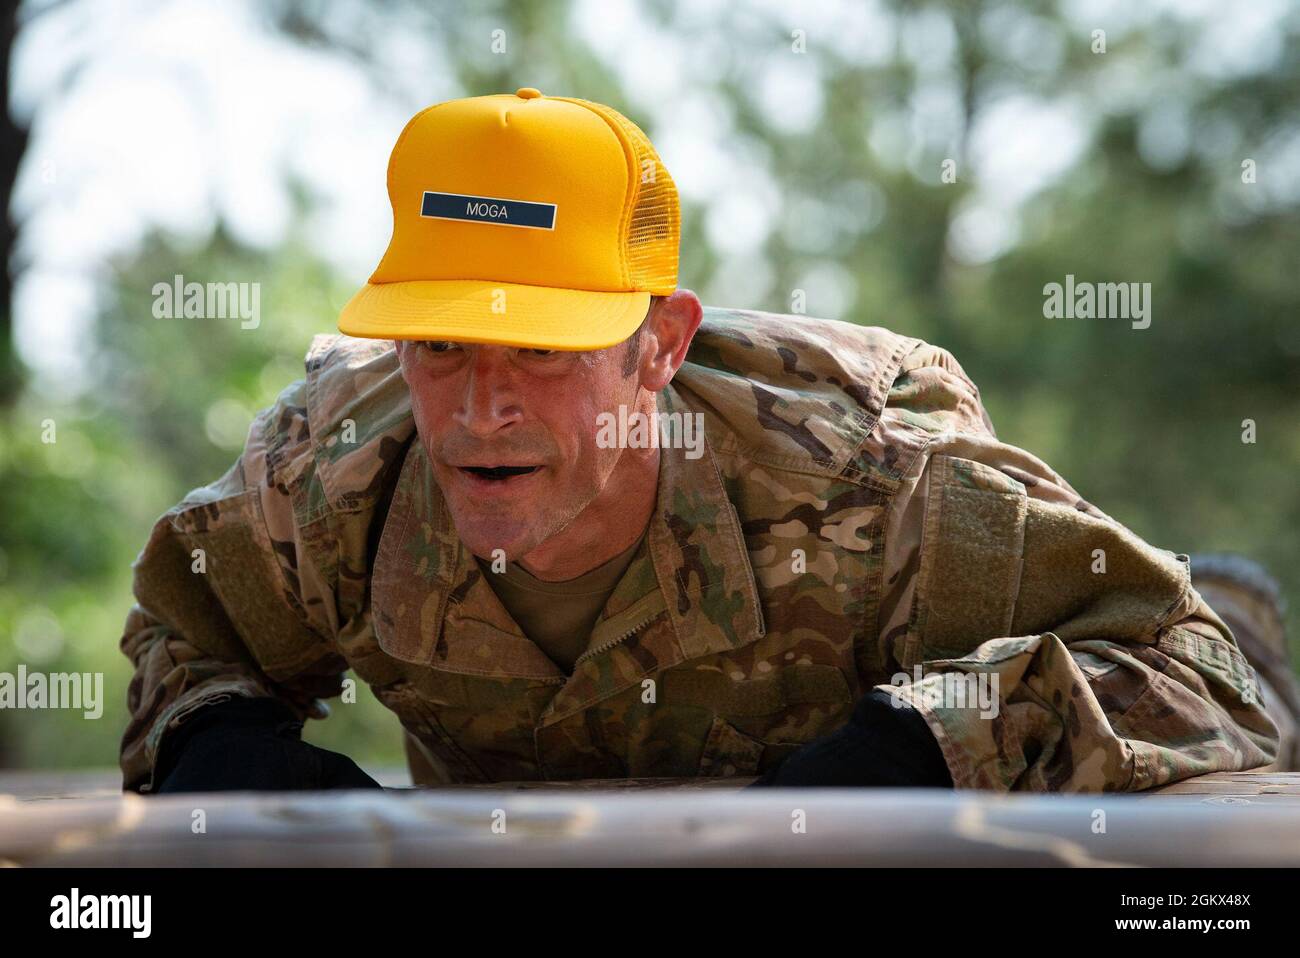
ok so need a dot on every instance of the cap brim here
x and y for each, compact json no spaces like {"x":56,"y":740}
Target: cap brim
{"x":486,"y":311}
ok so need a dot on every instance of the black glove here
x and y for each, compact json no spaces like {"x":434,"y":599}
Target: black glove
{"x":250,"y":745}
{"x":880,"y":745}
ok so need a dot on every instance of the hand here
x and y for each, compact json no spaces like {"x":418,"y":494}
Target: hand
{"x":881,"y":745}
{"x":250,"y":745}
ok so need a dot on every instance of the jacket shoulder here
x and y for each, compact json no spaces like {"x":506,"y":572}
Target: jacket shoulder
{"x":358,"y":413}
{"x":790,"y":390}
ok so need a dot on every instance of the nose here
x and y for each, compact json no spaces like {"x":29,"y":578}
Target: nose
{"x":488,"y":401}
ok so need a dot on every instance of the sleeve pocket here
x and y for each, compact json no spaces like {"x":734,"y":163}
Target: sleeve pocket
{"x":244,"y":570}
{"x":997,"y":562}
{"x":972,"y":553}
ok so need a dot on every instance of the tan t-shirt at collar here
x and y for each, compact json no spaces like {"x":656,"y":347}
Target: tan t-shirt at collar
{"x":558,"y":616}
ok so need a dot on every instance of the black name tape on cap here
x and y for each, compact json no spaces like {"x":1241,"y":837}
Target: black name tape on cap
{"x":488,"y":209}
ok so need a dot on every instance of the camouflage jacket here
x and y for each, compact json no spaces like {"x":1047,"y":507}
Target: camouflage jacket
{"x":853,"y":517}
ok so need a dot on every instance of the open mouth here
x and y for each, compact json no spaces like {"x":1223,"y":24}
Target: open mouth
{"x":498,"y":473}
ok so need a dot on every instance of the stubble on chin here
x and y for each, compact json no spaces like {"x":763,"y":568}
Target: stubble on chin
{"x":484,"y":534}
{"x":517,"y":536}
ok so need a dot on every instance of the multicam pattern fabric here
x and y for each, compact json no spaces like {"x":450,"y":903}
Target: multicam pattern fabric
{"x":853,"y":517}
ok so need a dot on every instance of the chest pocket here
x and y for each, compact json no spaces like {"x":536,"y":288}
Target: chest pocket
{"x":729,"y":752}
{"x":420,"y":719}
{"x":757,"y":723}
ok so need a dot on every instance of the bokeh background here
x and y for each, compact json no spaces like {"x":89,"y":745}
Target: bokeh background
{"x":245,"y":141}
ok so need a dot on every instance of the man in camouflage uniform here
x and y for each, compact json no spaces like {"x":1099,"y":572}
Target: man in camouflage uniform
{"x":849,"y":519}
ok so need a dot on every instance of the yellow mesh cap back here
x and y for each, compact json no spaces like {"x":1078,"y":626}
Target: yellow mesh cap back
{"x":652,"y":235}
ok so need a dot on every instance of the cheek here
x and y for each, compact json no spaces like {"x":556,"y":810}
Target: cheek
{"x":430,"y":409}
{"x":599,"y":409}
{"x":425,"y":411}
{"x":572,"y":420}
{"x":574,"y":434}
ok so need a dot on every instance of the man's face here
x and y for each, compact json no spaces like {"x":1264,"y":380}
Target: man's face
{"x":511,"y":434}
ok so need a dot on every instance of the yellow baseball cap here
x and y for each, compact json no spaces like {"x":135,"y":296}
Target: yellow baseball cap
{"x":521,"y":220}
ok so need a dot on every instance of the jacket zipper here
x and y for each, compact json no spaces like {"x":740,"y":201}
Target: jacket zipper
{"x":621,"y":637}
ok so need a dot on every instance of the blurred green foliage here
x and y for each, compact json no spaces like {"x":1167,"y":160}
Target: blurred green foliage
{"x":1145,"y":423}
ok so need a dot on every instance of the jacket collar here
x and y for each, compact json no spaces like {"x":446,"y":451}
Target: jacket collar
{"x":431,"y":606}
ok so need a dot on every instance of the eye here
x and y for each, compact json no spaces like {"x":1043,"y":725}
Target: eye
{"x":539,"y":352}
{"x":438,"y":346}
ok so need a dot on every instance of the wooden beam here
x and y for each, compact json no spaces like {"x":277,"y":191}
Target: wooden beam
{"x":1255,"y":822}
